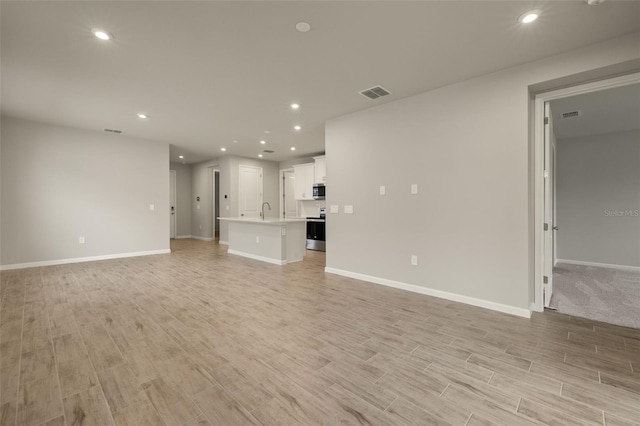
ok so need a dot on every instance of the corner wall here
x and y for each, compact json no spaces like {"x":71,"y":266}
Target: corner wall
{"x":467,"y":147}
{"x":60,"y":183}
{"x":598,"y":199}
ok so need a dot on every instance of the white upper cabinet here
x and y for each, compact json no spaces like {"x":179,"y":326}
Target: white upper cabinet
{"x":305,"y":177}
{"x":321,"y":169}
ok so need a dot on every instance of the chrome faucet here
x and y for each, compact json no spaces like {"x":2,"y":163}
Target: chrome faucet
{"x":268,"y":205}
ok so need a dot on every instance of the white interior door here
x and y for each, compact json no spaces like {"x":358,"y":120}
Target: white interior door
{"x":172,"y":204}
{"x":289,"y":199}
{"x":250,"y":191}
{"x":549,"y":225}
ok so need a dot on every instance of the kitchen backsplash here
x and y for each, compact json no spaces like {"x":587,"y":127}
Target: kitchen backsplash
{"x":311,"y":208}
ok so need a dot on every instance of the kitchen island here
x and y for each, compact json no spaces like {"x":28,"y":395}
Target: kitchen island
{"x":270,"y":240}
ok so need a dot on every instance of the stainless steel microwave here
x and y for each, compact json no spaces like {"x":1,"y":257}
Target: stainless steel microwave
{"x":318,"y":191}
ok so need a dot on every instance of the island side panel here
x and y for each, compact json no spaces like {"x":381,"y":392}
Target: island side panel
{"x":296,"y":240}
{"x":258,"y":241}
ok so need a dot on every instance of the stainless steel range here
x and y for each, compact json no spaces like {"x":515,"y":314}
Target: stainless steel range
{"x":316,"y":227}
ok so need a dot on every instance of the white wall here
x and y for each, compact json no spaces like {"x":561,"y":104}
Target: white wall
{"x":597,"y":176}
{"x":60,"y":183}
{"x":201,"y":224}
{"x":183,"y":198}
{"x":467,"y":147}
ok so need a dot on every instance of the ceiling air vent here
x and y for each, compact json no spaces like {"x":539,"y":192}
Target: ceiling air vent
{"x":375,"y":92}
{"x":268,"y":151}
{"x":113,"y":131}
{"x":570,"y":114}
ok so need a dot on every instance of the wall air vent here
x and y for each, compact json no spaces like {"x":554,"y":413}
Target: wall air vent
{"x":570,"y":114}
{"x":375,"y":92}
{"x":268,"y":151}
{"x":113,"y":131}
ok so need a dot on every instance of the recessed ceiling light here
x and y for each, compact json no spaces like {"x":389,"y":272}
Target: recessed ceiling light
{"x":267,"y":131}
{"x":181,"y":156}
{"x":263,"y":142}
{"x":303,"y":27}
{"x":297,"y":127}
{"x":223,"y":149}
{"x":293,"y":148}
{"x":235,"y":141}
{"x":141,"y":115}
{"x":102,"y":35}
{"x":295,"y":106}
{"x":529,"y":16}
{"x":260,"y":155}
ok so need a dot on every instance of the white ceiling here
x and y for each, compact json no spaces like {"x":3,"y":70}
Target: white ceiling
{"x":601,"y":112}
{"x":208,"y":73}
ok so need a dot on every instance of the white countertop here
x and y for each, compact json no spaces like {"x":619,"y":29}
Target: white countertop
{"x":266,"y":221}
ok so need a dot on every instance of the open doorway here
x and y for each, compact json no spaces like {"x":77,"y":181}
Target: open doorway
{"x":172,"y":204}
{"x":288,"y":204}
{"x":590,"y":233}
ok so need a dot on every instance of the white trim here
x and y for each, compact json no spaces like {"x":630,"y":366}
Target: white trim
{"x":538,"y":162}
{"x":181,"y":237}
{"x":521,"y":312}
{"x":224,"y":243}
{"x":600,"y":265}
{"x":195,"y":237}
{"x":82,"y":259}
{"x":256,"y":257}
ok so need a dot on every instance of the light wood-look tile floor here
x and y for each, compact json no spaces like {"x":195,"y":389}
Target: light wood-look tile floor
{"x":199,"y":337}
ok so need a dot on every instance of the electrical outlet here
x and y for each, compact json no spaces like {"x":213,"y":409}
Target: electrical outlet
{"x":257,"y":239}
{"x":348,"y":209}
{"x":383,"y":190}
{"x":227,"y":207}
{"x":414,"y":188}
{"x":200,"y":226}
{"x":80,"y":240}
{"x":152,"y":207}
{"x":335,"y":209}
{"x":414,"y":260}
{"x":198,"y":206}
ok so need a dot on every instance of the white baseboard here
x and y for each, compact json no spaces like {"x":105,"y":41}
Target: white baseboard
{"x":256,"y":257}
{"x":600,"y":265}
{"x":81,"y":259}
{"x":182,"y":237}
{"x":224,"y":243}
{"x":201,"y":238}
{"x":521,"y":312}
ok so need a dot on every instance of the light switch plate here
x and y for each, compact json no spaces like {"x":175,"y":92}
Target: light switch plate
{"x":335,"y":208}
{"x":383,"y":190}
{"x":348,"y":209}
{"x":414,"y":260}
{"x":198,"y":206}
{"x":80,"y":240}
{"x":414,"y":188}
{"x":152,"y":207}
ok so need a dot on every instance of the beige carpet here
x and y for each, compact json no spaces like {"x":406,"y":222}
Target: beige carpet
{"x":601,"y":294}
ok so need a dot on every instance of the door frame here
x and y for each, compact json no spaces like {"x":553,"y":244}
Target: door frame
{"x":538,"y":168}
{"x":214,"y":200}
{"x":281,"y":185}
{"x":173,"y":178}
